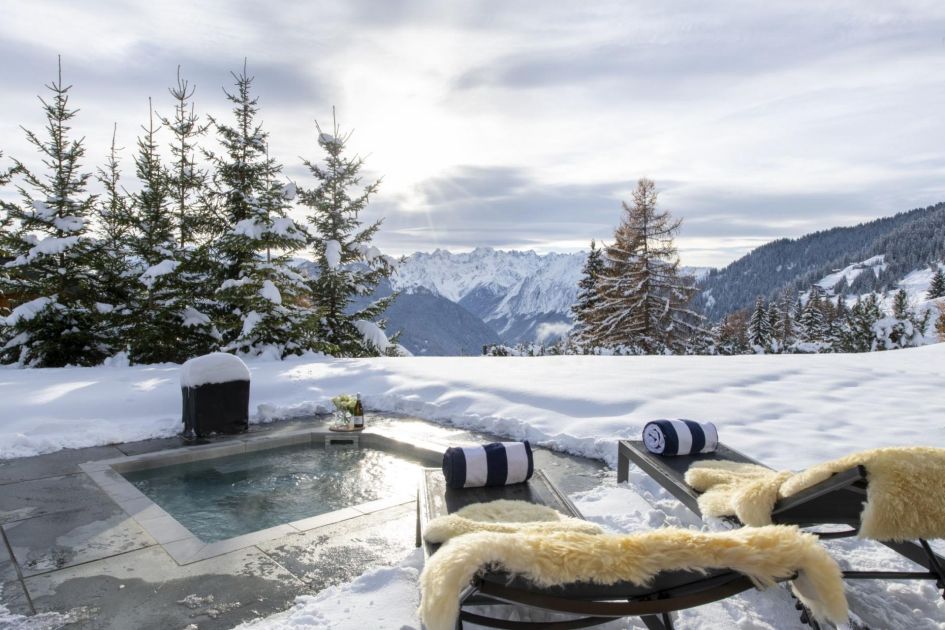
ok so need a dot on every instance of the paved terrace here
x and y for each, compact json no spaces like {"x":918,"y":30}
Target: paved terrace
{"x":67,"y":547}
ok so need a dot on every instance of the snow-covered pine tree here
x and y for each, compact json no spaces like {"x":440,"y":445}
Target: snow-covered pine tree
{"x":900,"y":305}
{"x":937,"y":285}
{"x":775,"y":325}
{"x":261,"y":311}
{"x":859,"y":334}
{"x":759,"y":331}
{"x":587,"y":297}
{"x":56,"y":318}
{"x":5,"y":233}
{"x":784,"y":334}
{"x":643,"y":305}
{"x":194,"y":223}
{"x":838,"y":325}
{"x":811,"y":322}
{"x":185,"y":180}
{"x":116,"y":272}
{"x":905,"y":329}
{"x":153,"y":246}
{"x":348,"y":265}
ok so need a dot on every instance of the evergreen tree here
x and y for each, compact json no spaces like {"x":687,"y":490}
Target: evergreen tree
{"x":348,"y":265}
{"x":811,"y":321}
{"x":260,"y":304}
{"x":56,"y":320}
{"x":785,"y":331}
{"x":185,"y":180}
{"x":117,"y":274}
{"x":860,"y":335}
{"x":838,"y":325}
{"x":195,"y":223}
{"x":775,"y":326}
{"x":587,"y":297}
{"x":153,"y":246}
{"x":5,"y":236}
{"x":900,"y":306}
{"x":759,"y":331}
{"x":937,"y":285}
{"x":644,"y":301}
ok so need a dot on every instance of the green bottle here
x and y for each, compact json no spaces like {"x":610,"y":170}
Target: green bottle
{"x":358,"y":413}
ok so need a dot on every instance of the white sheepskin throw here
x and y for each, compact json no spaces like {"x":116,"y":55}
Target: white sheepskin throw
{"x":905,"y":498}
{"x":765,"y":554}
{"x":504,"y":517}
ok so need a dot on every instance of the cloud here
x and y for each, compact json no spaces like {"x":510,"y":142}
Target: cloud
{"x":524,"y":124}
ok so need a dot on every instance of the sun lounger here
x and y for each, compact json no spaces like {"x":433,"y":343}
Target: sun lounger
{"x":585,"y":604}
{"x":834,"y":501}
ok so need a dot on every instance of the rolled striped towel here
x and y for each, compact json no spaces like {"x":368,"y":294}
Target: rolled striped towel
{"x":680,"y":437}
{"x":496,"y":464}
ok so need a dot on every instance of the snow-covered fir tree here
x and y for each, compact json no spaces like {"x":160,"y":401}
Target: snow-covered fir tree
{"x":644,"y":300}
{"x":759,"y":327}
{"x":56,"y":319}
{"x":587,"y":297}
{"x":117,"y":274}
{"x":185,"y":179}
{"x":937,"y":285}
{"x":153,"y":245}
{"x":348,"y":265}
{"x":194,"y":224}
{"x":838,"y":324}
{"x":811,"y":323}
{"x":859,"y":335}
{"x":260,"y":305}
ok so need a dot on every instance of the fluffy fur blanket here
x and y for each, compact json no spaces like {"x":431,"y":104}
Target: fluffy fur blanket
{"x":561,"y":556}
{"x":905,"y":496}
{"x":504,"y":517}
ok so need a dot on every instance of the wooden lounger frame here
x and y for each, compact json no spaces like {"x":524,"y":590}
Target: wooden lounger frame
{"x":834,"y":501}
{"x":587,"y":604}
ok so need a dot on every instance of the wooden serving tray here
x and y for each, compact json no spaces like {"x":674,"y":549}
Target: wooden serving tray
{"x":345,"y":429}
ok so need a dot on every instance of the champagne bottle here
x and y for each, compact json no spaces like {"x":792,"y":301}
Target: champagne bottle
{"x":358,"y":413}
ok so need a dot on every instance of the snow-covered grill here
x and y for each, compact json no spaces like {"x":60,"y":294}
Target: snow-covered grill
{"x":215,"y":390}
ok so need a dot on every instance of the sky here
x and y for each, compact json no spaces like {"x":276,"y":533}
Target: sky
{"x":522,"y":125}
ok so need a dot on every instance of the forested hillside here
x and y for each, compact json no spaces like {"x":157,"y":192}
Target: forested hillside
{"x":908,"y":241}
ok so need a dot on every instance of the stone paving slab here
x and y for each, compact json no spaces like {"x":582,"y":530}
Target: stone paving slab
{"x":65,"y":462}
{"x":12,"y":594}
{"x":147,"y":590}
{"x":339,"y":553}
{"x":71,"y":537}
{"x":28,"y":499}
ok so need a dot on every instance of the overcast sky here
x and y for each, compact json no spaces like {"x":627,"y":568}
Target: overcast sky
{"x":523,"y":124}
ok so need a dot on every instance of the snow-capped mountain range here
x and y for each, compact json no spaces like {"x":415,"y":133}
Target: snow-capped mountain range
{"x":522,"y":295}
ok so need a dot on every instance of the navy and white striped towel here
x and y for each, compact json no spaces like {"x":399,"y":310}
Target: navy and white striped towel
{"x":680,"y":437}
{"x":496,"y":464}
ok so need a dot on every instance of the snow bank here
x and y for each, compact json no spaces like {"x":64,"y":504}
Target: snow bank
{"x":217,"y":367}
{"x":382,"y":598}
{"x":789,"y":411}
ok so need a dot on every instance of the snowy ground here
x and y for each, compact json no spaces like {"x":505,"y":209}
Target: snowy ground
{"x":789,"y":411}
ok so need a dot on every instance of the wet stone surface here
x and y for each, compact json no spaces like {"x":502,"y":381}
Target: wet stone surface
{"x":78,"y":556}
{"x":339,"y":553}
{"x":147,"y":590}
{"x":54,"y":541}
